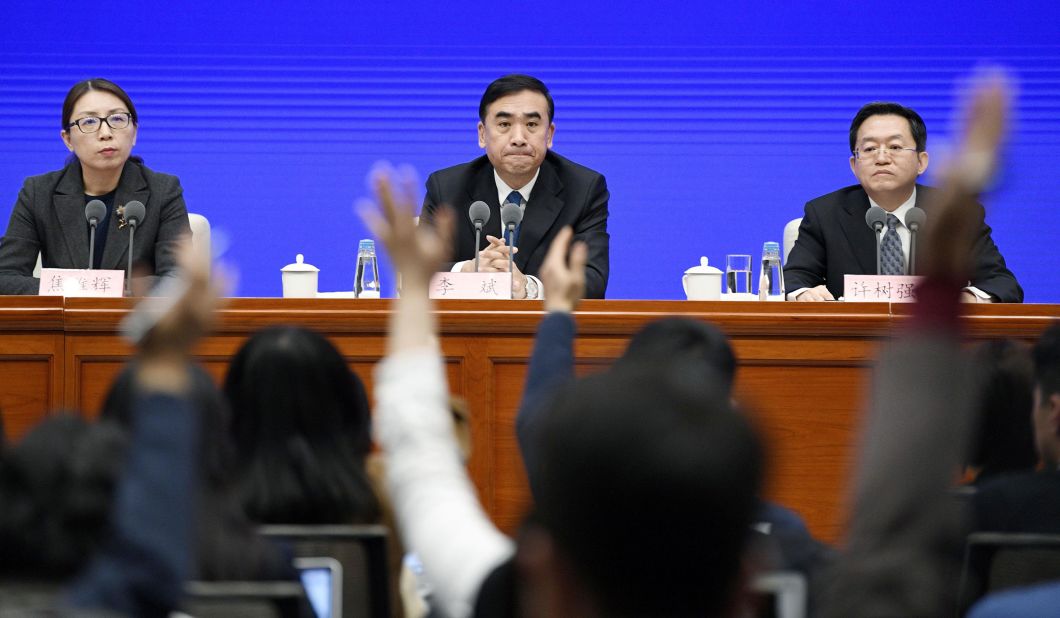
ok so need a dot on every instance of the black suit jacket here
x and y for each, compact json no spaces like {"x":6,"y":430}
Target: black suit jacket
{"x":565,"y":194}
{"x":49,"y":218}
{"x":834,"y":240}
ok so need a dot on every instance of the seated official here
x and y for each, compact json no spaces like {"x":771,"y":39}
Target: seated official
{"x":519,"y":167}
{"x":99,"y":126}
{"x":888,"y":153}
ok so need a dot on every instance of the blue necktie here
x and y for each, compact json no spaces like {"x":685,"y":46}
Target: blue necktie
{"x":892,"y":260}
{"x":515,"y":198}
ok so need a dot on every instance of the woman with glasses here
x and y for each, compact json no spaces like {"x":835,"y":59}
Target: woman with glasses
{"x":99,"y":126}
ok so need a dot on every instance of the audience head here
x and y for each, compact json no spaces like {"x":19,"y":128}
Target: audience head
{"x":301,"y":428}
{"x":685,"y":341}
{"x":1005,"y":440}
{"x":1047,"y":396}
{"x":649,"y":479}
{"x":56,"y":487}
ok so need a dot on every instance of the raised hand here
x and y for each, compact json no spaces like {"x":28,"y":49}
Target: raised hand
{"x":563,"y":278}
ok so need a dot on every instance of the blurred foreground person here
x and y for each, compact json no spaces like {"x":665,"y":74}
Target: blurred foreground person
{"x":140,"y":563}
{"x":301,"y":426}
{"x":662,"y":537}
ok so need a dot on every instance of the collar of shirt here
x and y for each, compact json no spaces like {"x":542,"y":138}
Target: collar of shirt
{"x":903,"y":231}
{"x":503,"y":189}
{"x":901,"y":211}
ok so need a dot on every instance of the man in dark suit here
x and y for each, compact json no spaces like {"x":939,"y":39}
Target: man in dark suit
{"x":888,"y":153}
{"x":516,"y":128}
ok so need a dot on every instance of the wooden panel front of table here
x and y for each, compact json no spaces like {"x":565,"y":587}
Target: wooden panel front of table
{"x":803,"y":370}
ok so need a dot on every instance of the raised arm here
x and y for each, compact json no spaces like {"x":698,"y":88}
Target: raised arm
{"x":436,"y":505}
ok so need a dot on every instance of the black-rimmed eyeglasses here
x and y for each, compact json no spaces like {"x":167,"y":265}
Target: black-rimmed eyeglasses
{"x":91,"y":124}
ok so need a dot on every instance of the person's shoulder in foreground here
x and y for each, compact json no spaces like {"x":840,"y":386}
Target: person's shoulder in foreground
{"x":1041,"y":601}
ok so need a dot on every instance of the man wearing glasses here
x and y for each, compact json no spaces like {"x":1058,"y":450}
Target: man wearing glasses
{"x":888,"y":153}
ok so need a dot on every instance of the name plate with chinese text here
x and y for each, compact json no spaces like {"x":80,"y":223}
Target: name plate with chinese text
{"x":880,"y":288}
{"x":72,"y":282}
{"x":471,"y":286}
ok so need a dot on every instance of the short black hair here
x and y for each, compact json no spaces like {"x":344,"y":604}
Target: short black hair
{"x":511,"y":84}
{"x":649,"y":482}
{"x":886,"y":108}
{"x":683,"y":340}
{"x":1047,"y":361}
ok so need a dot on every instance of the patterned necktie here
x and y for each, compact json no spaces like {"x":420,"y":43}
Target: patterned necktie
{"x":515,"y":198}
{"x":892,"y":260}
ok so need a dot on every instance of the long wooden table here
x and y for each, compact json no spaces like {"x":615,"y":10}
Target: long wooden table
{"x":803,"y":370}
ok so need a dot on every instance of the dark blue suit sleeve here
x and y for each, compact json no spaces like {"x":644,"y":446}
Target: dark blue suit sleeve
{"x":551,"y":366}
{"x":141,"y":570}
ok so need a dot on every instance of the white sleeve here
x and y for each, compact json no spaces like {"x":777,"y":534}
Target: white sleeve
{"x":436,"y":505}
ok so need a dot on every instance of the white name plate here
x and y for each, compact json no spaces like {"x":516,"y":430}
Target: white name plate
{"x":880,"y":288}
{"x":471,"y":286}
{"x":77,"y":282}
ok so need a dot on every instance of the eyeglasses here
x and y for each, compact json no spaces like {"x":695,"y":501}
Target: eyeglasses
{"x":91,"y":124}
{"x":872,"y":152}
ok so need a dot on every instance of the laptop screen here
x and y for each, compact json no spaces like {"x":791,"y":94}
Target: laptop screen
{"x":322,"y":580}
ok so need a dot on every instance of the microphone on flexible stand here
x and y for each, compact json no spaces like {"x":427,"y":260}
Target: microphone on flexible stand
{"x":95,"y":211}
{"x":914,"y":219}
{"x":479,"y":213}
{"x":133,"y":213}
{"x":511,"y":217}
{"x":876,"y":218}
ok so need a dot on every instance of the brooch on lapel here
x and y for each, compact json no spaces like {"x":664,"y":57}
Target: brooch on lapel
{"x":122,"y":223}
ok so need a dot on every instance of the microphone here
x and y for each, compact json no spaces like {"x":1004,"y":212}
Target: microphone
{"x":914,"y":219}
{"x":511,"y":217}
{"x":876,"y":218}
{"x":95,"y":210}
{"x":479,"y":213}
{"x":134,"y":213}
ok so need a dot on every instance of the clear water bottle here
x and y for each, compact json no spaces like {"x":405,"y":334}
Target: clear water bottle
{"x":366,"y":281}
{"x":771,"y":283}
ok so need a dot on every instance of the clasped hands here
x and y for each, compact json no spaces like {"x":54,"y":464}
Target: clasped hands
{"x":494,"y":259}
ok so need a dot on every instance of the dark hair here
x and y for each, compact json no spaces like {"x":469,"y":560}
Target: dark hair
{"x":1047,"y":361}
{"x":1005,"y":440}
{"x":512,"y":84}
{"x":227,"y":545}
{"x":57,"y":486}
{"x":97,"y":83}
{"x":683,"y":340}
{"x":649,"y":480}
{"x":301,"y":428}
{"x":883,"y":108}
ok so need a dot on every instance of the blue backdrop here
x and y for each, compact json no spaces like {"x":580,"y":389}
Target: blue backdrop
{"x":713,"y":122}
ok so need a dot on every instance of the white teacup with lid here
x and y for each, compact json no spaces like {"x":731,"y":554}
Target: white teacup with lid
{"x":299,"y":279}
{"x":702,"y":282}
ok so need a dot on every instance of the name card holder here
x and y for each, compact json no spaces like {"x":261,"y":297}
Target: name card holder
{"x":471,"y":286}
{"x":880,"y":288}
{"x":71,"y":282}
